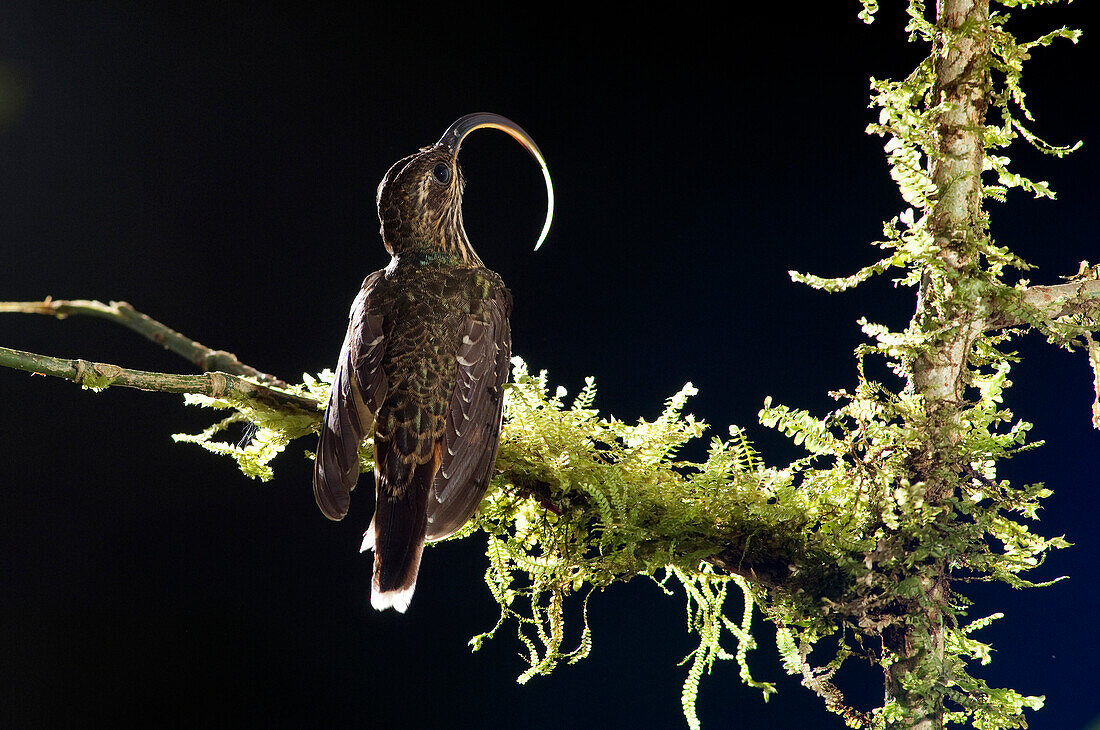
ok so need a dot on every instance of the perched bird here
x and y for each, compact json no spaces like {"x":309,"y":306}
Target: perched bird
{"x":423,"y":363}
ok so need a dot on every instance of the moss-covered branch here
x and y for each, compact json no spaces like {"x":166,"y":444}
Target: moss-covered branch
{"x":774,"y":556}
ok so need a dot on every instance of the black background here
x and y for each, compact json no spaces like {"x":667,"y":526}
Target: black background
{"x":215,"y":165}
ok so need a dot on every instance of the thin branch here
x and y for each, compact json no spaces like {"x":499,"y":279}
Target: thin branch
{"x":1054,"y":301}
{"x":213,"y":384}
{"x":200,"y":355}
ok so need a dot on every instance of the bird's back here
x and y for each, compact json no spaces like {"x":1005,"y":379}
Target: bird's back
{"x":437,"y":317}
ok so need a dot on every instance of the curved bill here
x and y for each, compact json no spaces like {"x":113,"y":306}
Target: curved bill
{"x":452,"y":139}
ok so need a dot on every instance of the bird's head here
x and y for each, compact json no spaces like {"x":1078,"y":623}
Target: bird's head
{"x":420,"y":198}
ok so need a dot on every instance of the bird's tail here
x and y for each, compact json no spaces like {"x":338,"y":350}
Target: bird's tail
{"x":396,"y":534}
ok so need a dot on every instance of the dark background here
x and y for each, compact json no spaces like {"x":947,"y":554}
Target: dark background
{"x":215,"y":165}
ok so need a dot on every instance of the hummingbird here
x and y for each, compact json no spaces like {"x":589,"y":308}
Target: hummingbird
{"x":422,"y":367}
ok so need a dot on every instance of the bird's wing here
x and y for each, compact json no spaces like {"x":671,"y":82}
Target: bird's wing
{"x":358,"y":388}
{"x":471,"y":436}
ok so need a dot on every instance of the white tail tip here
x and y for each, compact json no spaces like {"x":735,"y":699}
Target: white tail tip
{"x":398,"y":600}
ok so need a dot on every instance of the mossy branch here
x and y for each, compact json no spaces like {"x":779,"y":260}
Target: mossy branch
{"x":758,"y":551}
{"x":568,"y":483}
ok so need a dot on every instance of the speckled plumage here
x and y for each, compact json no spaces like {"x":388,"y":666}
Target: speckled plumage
{"x":423,"y":364}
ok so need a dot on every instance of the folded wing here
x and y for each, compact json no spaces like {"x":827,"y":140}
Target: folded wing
{"x":357,"y":390}
{"x":471,"y":437}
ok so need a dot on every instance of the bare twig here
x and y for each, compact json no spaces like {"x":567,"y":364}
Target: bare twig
{"x":200,"y":355}
{"x":225,"y":376}
{"x":212,"y":384}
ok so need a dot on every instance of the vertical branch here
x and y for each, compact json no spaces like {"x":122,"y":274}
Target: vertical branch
{"x":948,"y":319}
{"x":957,"y":221}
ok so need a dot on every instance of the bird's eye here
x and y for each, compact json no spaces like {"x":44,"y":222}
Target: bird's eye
{"x":442,"y":173}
